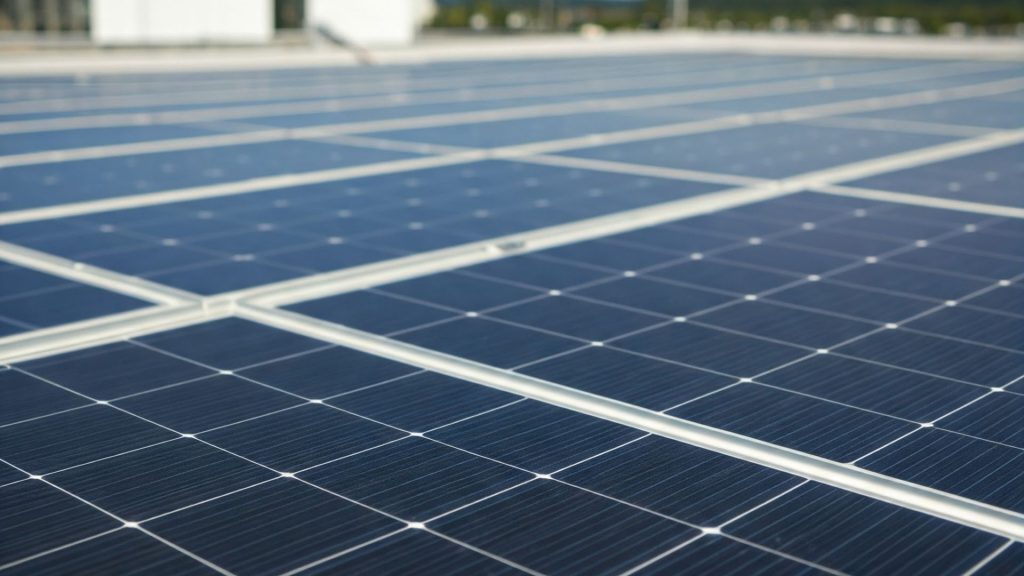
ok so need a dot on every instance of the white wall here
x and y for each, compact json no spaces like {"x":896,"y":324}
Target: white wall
{"x":368,"y":22}
{"x":182,"y":21}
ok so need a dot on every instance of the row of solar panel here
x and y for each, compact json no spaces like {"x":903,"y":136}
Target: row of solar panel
{"x":755,"y":151}
{"x":860,"y":324}
{"x":187,"y":438}
{"x":40,"y":184}
{"x":292,"y":102}
{"x":268,"y":236}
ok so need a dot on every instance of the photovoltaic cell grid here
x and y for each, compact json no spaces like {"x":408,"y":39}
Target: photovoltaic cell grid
{"x":249,"y":457}
{"x":878,"y":335}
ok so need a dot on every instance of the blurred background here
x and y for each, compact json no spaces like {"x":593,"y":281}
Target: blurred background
{"x":35,"y":24}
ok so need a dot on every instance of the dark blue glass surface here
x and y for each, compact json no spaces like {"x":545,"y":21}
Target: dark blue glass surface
{"x":115,"y":370}
{"x":549,"y":527}
{"x":272,"y":528}
{"x":415,"y":479}
{"x":301,"y":437}
{"x":327,"y":372}
{"x":536,"y":436}
{"x":858,"y":535}
{"x":28,"y":510}
{"x":75,"y":437}
{"x":146,"y":483}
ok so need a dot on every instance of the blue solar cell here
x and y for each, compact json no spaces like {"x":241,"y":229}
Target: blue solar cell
{"x":423,"y":401}
{"x":853,"y":301}
{"x":207,"y":403}
{"x":627,"y":377}
{"x":685,"y":482}
{"x":576,"y":318}
{"x":326,"y":257}
{"x":149,"y":260}
{"x":795,"y":421}
{"x":413,"y":551}
{"x":372,"y":311}
{"x":717,"y":554}
{"x":171,"y":223}
{"x":654,"y":296}
{"x":982,"y":241}
{"x":304,"y":436}
{"x":975,"y":325}
{"x":611,"y":256}
{"x":39,"y":229}
{"x":903,"y":229}
{"x":415,"y":479}
{"x":783,"y":258}
{"x":80,"y":244}
{"x":249,"y":242}
{"x":940,"y":356}
{"x":114,"y":370}
{"x":913,"y":282}
{"x":712,"y":349}
{"x":788,"y":324}
{"x":980,"y":265}
{"x":724,"y":276}
{"x":536,"y":436}
{"x":272,"y":528}
{"x":43,"y":445}
{"x":969,"y":467}
{"x":731,"y":223}
{"x":27,"y":397}
{"x":1010,"y":226}
{"x":17,"y":280}
{"x":790,"y":210}
{"x":460,"y":291}
{"x":124,"y":551}
{"x":145,"y":483}
{"x":899,"y":393}
{"x":996,"y":417}
{"x":327,"y":372}
{"x":28,"y":525}
{"x":1003,"y":298}
{"x":549,"y":527}
{"x":251,"y":343}
{"x":912,"y":212}
{"x":855,"y":534}
{"x":217,"y":277}
{"x":675,"y":239}
{"x":489,"y":341}
{"x":417,"y":240}
{"x":854,"y":245}
{"x":531,"y":271}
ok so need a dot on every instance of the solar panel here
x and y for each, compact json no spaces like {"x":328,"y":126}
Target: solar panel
{"x":641,"y":314}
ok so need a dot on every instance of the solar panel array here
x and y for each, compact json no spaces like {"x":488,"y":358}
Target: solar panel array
{"x":659,"y":314}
